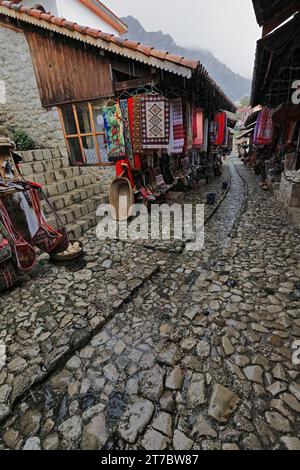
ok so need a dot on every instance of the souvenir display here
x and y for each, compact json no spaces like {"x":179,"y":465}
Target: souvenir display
{"x":159,"y":144}
{"x":23,"y":225}
{"x":114,"y":132}
{"x":263,"y":134}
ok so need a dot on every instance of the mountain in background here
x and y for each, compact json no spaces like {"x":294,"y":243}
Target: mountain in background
{"x":234,"y":85}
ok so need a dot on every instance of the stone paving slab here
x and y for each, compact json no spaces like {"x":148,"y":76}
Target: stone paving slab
{"x":201,"y":358}
{"x":55,"y":312}
{"x":197,"y":195}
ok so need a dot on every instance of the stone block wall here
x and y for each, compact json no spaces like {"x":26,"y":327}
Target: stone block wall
{"x":20,"y":107}
{"x":20,"y":104}
{"x":289,"y":193}
{"x":75,"y":192}
{"x":46,"y":164}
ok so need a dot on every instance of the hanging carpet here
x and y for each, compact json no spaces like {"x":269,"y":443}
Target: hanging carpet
{"x":178,"y":128}
{"x":155,"y":116}
{"x":113,"y":124}
{"x":126,"y":127}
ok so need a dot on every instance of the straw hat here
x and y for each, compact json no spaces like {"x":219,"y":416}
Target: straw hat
{"x":6,"y":142}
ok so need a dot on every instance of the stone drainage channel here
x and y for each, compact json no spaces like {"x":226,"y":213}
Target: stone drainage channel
{"x":125,"y":355}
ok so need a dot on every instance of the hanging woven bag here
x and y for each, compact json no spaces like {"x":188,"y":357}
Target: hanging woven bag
{"x":47,"y":239}
{"x":5,"y":250}
{"x":23,"y":253}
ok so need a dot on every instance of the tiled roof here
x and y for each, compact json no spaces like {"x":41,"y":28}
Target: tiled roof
{"x":104,"y":7}
{"x":85,"y":30}
{"x":124,"y":47}
{"x":103,"y":11}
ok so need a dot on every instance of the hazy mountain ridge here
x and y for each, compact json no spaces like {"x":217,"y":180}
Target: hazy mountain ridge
{"x":233,"y":84}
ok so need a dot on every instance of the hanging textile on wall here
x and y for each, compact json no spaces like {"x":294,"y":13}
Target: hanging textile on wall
{"x":134,"y":123}
{"x":205,"y":135}
{"x":178,"y":129}
{"x":212,"y":132}
{"x":264,"y":129}
{"x":221,"y":129}
{"x":136,"y":126}
{"x":171,"y":138}
{"x":114,"y":132}
{"x":155,"y":116}
{"x":127,"y":134}
{"x":188,"y":126}
{"x":198,"y":128}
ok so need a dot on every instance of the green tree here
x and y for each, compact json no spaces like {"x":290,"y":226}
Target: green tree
{"x":245,"y":101}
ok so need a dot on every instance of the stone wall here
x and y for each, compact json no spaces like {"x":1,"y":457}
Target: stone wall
{"x":22,"y":106}
{"x":75,"y":192}
{"x":289,"y":193}
{"x":40,"y":164}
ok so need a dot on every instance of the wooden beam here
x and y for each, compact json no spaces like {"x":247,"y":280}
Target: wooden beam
{"x":136,"y":83}
{"x":136,"y":70}
{"x":7,"y":24}
{"x":280,"y":18}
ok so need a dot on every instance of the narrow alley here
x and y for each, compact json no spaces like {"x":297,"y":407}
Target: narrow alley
{"x":150,"y":231}
{"x":195,"y":354}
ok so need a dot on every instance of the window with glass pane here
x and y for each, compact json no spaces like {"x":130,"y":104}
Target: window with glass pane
{"x":83,"y":115}
{"x":89,"y":148}
{"x":84,"y":131}
{"x":69,"y":120}
{"x":75,"y":151}
{"x":98,"y":117}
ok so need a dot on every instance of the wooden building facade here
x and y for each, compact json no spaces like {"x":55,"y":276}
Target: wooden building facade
{"x":78,"y":68}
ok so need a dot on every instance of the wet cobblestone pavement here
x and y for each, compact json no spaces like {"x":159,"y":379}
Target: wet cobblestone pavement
{"x":198,"y":357}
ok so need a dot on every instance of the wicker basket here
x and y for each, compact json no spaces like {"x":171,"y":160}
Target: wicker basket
{"x":121,"y":197}
{"x":58,"y":259}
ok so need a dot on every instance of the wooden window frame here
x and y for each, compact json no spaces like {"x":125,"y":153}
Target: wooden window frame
{"x":79,"y":135}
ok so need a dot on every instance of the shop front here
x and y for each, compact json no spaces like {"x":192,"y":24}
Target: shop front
{"x":274,"y":131}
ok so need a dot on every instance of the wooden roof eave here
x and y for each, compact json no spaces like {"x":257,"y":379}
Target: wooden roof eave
{"x":174,"y":68}
{"x":275,"y":14}
{"x":268,"y":52}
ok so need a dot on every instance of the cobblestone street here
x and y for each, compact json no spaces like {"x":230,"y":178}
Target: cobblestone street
{"x":156,"y":347}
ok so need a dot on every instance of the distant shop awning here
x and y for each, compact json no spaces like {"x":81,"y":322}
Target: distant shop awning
{"x":253,"y":116}
{"x":248,"y":133}
{"x":286,"y":113}
{"x":250,"y":126}
{"x":231,"y":116}
{"x":271,"y":14}
{"x":277,"y":65}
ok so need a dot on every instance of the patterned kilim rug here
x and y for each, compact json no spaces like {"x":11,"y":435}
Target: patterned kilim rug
{"x":136,"y":125}
{"x":155,"y":116}
{"x":113,"y":124}
{"x":126,"y":127}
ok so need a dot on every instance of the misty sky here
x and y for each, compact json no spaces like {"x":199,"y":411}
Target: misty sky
{"x":227,"y":28}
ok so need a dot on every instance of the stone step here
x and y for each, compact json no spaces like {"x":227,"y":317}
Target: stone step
{"x":29,"y":169}
{"x":76,"y":196}
{"x":50,"y":177}
{"x":78,"y":212}
{"x":77,"y":230}
{"x":43,"y":155}
{"x":70,"y":184}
